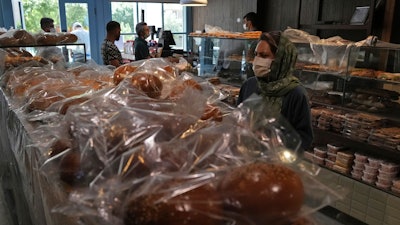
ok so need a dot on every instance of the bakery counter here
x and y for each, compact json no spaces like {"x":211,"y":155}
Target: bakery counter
{"x":32,"y":196}
{"x":105,"y":156}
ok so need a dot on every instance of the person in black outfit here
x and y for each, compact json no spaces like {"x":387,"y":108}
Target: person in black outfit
{"x":281,"y":91}
{"x":141,"y":46}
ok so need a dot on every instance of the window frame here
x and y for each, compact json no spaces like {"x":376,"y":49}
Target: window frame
{"x":187,"y":20}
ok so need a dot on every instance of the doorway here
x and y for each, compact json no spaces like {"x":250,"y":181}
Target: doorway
{"x":81,"y":12}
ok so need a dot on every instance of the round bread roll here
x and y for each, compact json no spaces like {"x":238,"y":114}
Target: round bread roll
{"x":178,"y":90}
{"x":122,"y":71}
{"x":263,"y":192}
{"x":192,"y":84}
{"x":58,"y":146}
{"x":47,"y":39}
{"x":63,"y":38}
{"x":42,"y":102}
{"x":8,"y":41}
{"x":70,"y":167}
{"x":148,"y":83}
{"x":70,"y":102}
{"x":24,"y":37}
{"x":200,"y":206}
{"x":169,"y":69}
{"x":212,"y":112}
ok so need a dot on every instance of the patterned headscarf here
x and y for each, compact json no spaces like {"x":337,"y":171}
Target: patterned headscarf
{"x":281,"y":79}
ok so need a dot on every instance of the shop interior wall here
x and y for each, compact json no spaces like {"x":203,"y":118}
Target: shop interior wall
{"x":278,"y":15}
{"x":223,"y":13}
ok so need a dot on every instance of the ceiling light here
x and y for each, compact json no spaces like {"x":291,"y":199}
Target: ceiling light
{"x":193,"y":2}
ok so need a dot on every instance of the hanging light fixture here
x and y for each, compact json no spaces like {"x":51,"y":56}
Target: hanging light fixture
{"x":193,"y":2}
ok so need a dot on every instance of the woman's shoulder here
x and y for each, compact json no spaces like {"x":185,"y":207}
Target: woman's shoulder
{"x":298,"y":93}
{"x":299,"y":90}
{"x":250,"y":81}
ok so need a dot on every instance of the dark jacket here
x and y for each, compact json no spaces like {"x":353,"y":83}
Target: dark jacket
{"x":295,"y":108}
{"x":141,"y":49}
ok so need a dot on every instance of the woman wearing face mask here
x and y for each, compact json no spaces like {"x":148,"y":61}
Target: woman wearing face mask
{"x":273,"y":66}
{"x":141,"y":46}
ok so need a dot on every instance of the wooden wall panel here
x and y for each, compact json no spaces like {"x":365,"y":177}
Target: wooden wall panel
{"x":278,"y":15}
{"x":223,"y":13}
{"x":309,"y":11}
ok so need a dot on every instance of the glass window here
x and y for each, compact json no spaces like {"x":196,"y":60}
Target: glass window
{"x":166,"y":16}
{"x":173,"y":18}
{"x":152,"y":13}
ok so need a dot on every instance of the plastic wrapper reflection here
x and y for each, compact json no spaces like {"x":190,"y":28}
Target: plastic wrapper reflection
{"x":121,"y":156}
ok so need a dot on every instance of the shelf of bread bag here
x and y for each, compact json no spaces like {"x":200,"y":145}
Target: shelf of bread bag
{"x":362,"y":146}
{"x":330,"y":146}
{"x":388,"y":191}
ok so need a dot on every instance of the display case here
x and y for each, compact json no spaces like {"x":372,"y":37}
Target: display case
{"x":354,"y":94}
{"x":68,"y":53}
{"x":225,"y":56}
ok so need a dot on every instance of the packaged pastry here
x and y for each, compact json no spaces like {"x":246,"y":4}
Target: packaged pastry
{"x":331,"y":156}
{"x":346,"y":163}
{"x":370,"y":169}
{"x":358,"y":167}
{"x":370,"y":176}
{"x":335,"y":147}
{"x":356,"y":174}
{"x":329,"y":163}
{"x":341,"y":169}
{"x":384,"y":181}
{"x":382,"y":186}
{"x":374,"y":162}
{"x":345,"y":155}
{"x":389,"y":167}
{"x":320,"y":152}
{"x":308,"y":155}
{"x":396,"y":183}
{"x":318,"y":160}
{"x":395,"y":189}
{"x":387,"y":175}
{"x":368,"y":180}
{"x":359,"y":157}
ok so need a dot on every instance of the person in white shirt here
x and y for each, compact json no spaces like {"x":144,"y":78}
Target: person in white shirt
{"x":83,"y":38}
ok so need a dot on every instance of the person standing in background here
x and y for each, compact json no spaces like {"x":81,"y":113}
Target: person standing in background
{"x":47,"y":25}
{"x":250,"y":23}
{"x":52,"y":53}
{"x":83,"y":38}
{"x":109,"y":51}
{"x":141,"y":46}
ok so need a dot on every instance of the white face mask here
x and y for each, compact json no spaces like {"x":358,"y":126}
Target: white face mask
{"x":245,"y":26}
{"x":52,"y":30}
{"x":261,"y":66}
